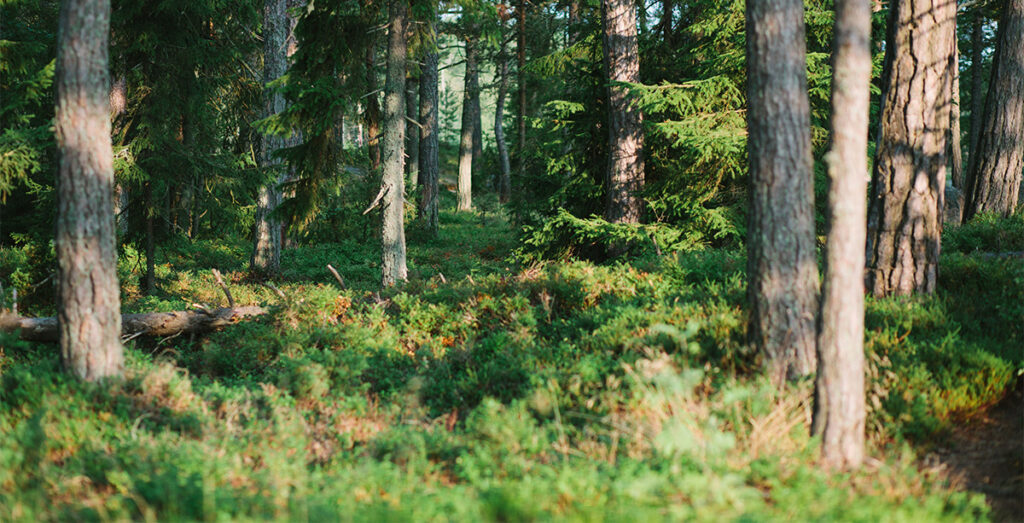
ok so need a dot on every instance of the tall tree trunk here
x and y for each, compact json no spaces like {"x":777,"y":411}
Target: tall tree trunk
{"x":412,"y":132}
{"x":429,"y":165}
{"x":624,"y":177}
{"x":993,"y":184}
{"x":505,"y":181}
{"x":909,"y":179}
{"x":474,"y":94}
{"x":88,"y":294}
{"x":839,"y":401}
{"x":372,"y":108}
{"x":469,"y":123}
{"x":977,"y":81}
{"x":521,"y":78}
{"x":266,"y":253}
{"x":781,"y":265}
{"x":955,"y":147}
{"x":393,"y":180}
{"x":574,"y":20}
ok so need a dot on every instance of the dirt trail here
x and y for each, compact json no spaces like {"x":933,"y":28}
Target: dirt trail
{"x":987,"y":454}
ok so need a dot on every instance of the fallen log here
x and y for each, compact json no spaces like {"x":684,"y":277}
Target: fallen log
{"x":145,"y":324}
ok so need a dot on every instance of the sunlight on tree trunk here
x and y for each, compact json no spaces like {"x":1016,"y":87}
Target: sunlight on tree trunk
{"x":393,"y":181}
{"x":469,"y":119}
{"x":624,"y":178}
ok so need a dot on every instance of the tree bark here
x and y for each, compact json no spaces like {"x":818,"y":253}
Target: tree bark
{"x":955,"y":147}
{"x":624,"y":177}
{"x":429,"y":165}
{"x":150,"y":240}
{"x":146,"y":324}
{"x":372,"y":109}
{"x":505,"y":181}
{"x":977,"y":81}
{"x":88,"y":294}
{"x":469,"y":123}
{"x":995,"y":177}
{"x":839,"y":399}
{"x":521,"y":78}
{"x":781,"y":264}
{"x":909,"y":178}
{"x":412,"y":132}
{"x":393,"y":180}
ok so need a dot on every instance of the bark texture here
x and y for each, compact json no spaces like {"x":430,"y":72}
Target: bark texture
{"x":839,"y":399}
{"x":906,"y":203}
{"x":781,"y":267}
{"x":88,"y":295}
{"x":266,"y":252}
{"x":469,"y":123}
{"x":372,"y":115}
{"x":505,"y":178}
{"x":521,"y":79}
{"x":429,"y":164}
{"x":624,"y":177}
{"x":393,"y":180}
{"x":412,"y":132}
{"x":993,"y":184}
{"x":145,"y":324}
{"x":956,"y":160}
{"x":977,"y":81}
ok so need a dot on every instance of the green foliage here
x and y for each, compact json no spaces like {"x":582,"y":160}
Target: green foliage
{"x":987,"y":233}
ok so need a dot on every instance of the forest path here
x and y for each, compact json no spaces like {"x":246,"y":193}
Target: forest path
{"x":987,"y":455}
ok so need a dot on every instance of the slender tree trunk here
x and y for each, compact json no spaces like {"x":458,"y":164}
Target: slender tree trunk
{"x":521,"y":72}
{"x":469,"y":123}
{"x":839,"y":400}
{"x":266,"y":253}
{"x":977,"y":81}
{"x":505,"y":181}
{"x":412,"y":132}
{"x":393,"y":180}
{"x":151,"y":239}
{"x":474,"y":94}
{"x":994,"y":181}
{"x":955,"y":147}
{"x":624,"y":178}
{"x":429,"y":165}
{"x":909,"y":179}
{"x":781,"y":264}
{"x":88,"y":294}
{"x":372,"y":108}
{"x":574,"y":20}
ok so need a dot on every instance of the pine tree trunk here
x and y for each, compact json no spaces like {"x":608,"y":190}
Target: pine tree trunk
{"x":88,"y":294}
{"x":469,"y":119}
{"x":474,"y":93}
{"x":955,"y":147}
{"x":909,"y":179}
{"x":372,"y":108}
{"x":995,"y":177}
{"x":624,"y":178}
{"x":977,"y":82}
{"x":393,"y":179}
{"x":781,"y":265}
{"x":505,"y":181}
{"x":412,"y":132}
{"x":574,"y":20}
{"x":266,"y":253}
{"x":839,"y":401}
{"x":151,"y":240}
{"x":429,"y":165}
{"x":521,"y":78}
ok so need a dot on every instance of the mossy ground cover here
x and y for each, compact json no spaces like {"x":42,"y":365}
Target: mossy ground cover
{"x":489,"y":389}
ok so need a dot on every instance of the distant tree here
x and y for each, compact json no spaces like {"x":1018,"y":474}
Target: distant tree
{"x":624,"y":178}
{"x":470,"y":121}
{"x":429,"y":165}
{"x":412,"y":129}
{"x":521,"y":80}
{"x":977,"y":80}
{"x":505,"y":178}
{"x":839,"y":402}
{"x":372,"y":111}
{"x":781,"y":263}
{"x":88,"y":295}
{"x":993,"y":183}
{"x":393,"y":180}
{"x":266,"y":253}
{"x":906,"y":198}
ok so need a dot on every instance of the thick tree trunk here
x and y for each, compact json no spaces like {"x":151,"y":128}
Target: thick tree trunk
{"x":505,"y":180}
{"x":88,"y":294}
{"x":839,"y":400}
{"x":781,"y":265}
{"x":146,"y":324}
{"x":977,"y":81}
{"x":624,"y":178}
{"x":372,"y":108}
{"x":429,"y":165}
{"x":412,"y":132}
{"x":469,"y":123}
{"x":993,"y":184}
{"x":906,"y":203}
{"x":266,"y":253}
{"x":393,"y":179}
{"x":521,"y":79}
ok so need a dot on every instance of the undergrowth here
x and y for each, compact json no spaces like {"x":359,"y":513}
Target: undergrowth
{"x":488,"y":389}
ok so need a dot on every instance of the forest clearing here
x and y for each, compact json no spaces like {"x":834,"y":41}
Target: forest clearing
{"x":722,"y":261}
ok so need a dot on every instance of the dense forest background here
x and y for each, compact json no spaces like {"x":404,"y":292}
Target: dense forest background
{"x":540,"y":346}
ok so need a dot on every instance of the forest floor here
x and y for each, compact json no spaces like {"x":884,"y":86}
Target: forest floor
{"x":986,"y":454}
